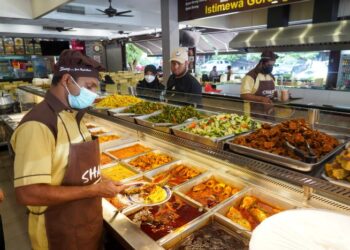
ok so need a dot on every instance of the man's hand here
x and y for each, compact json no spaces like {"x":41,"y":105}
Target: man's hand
{"x":265,"y":100}
{"x":108,"y":188}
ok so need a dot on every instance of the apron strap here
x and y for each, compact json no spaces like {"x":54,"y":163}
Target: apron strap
{"x":65,"y":128}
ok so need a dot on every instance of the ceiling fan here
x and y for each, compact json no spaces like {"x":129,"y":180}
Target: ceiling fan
{"x":111,"y":12}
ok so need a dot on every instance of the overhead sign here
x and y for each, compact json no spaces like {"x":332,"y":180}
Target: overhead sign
{"x":193,"y":9}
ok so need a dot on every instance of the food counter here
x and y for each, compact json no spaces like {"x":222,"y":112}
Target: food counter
{"x":216,"y":186}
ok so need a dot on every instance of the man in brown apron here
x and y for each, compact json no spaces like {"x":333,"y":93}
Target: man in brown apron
{"x":57,"y":172}
{"x":258,"y":86}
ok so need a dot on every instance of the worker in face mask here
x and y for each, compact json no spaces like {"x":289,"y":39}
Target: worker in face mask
{"x":258,"y":85}
{"x":151,"y":80}
{"x":57,"y":162}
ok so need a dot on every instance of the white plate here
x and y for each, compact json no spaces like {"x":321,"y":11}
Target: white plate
{"x":302,"y":229}
{"x":342,"y":183}
{"x":136,"y":199}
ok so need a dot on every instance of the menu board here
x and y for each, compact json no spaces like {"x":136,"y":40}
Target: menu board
{"x":193,"y":9}
{"x":9,"y":46}
{"x":19,"y":46}
{"x":2,"y":50}
{"x":29,"y":46}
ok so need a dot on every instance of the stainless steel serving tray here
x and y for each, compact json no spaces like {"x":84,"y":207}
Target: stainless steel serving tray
{"x":212,"y":142}
{"x":119,"y":113}
{"x":137,"y":174}
{"x":152,"y":173}
{"x":231,"y":180}
{"x":172,"y":243}
{"x":164,"y":127}
{"x":123,"y":139}
{"x":286,"y":161}
{"x":107,"y":152}
{"x":157,"y":151}
{"x":178,"y":230}
{"x":264,"y":195}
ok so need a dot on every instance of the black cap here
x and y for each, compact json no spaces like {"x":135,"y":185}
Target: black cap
{"x":268,"y":55}
{"x":76,"y":64}
{"x":151,"y":68}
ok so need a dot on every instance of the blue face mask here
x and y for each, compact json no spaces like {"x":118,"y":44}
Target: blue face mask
{"x":85,"y":98}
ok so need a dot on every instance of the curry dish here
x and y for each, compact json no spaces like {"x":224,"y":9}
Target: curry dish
{"x":339,"y":168}
{"x":177,"y":175}
{"x":117,"y":172}
{"x":251,"y":212}
{"x":106,"y":138}
{"x":150,"y":160}
{"x":105,"y":159}
{"x":159,"y":221}
{"x":212,"y":192}
{"x":273,"y":139}
{"x":129,"y":151}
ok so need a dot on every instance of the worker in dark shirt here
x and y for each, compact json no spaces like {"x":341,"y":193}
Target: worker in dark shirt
{"x":181,"y":80}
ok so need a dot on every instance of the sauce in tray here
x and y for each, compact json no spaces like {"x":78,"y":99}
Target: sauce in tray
{"x":212,"y":192}
{"x":159,"y":221}
{"x":117,"y":172}
{"x":177,"y":175}
{"x":129,"y":151}
{"x":105,"y":159}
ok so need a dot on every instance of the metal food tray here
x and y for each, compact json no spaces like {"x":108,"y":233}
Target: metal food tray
{"x":152,"y":173}
{"x":125,"y":146}
{"x":217,"y":142}
{"x":156,"y":151}
{"x":172,"y":243}
{"x":176,"y":231}
{"x":118,"y":112}
{"x":107,"y":164}
{"x":286,"y":161}
{"x":342,"y":183}
{"x":231,"y":180}
{"x":264,"y":195}
{"x":324,"y":175}
{"x":137,"y":174}
{"x":113,"y":143}
{"x":143,"y":120}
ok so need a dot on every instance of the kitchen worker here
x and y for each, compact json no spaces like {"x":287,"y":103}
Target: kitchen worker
{"x":258,"y":85}
{"x":181,"y":80}
{"x":56,"y":166}
{"x":150,"y":80}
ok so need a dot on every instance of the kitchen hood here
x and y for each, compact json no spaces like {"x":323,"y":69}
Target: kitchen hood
{"x":321,"y":36}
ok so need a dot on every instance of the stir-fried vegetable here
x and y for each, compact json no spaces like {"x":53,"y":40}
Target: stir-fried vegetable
{"x":222,"y":125}
{"x":144,"y":108}
{"x":175,"y":115}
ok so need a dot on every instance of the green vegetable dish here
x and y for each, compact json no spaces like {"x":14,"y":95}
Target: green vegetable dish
{"x":222,"y":125}
{"x":144,"y":108}
{"x":176,"y":115}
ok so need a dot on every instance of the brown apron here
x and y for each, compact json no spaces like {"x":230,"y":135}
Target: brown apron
{"x":266,"y":89}
{"x":77,"y":224}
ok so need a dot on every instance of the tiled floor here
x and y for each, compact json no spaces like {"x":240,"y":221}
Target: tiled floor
{"x":14,"y":216}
